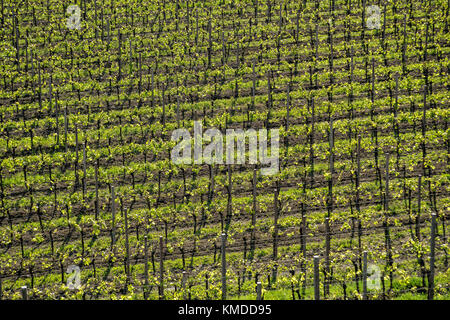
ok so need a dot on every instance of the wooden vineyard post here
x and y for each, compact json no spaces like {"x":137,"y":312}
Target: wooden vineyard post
{"x":364,"y":275}
{"x":358,"y":172}
{"x":229,"y":198}
{"x":178,"y":112}
{"x":386,"y":197}
{"x":113,"y":212}
{"x":131,"y":56}
{"x":84,"y":169}
{"x":108,"y":31}
{"x":57,"y":120}
{"x":96,"y":192}
{"x":286,"y":141}
{"x":66,"y":125}
{"x":269,"y":97}
{"x":209,"y":43}
{"x":419,"y":198}
{"x":161,"y":269}
{"x":326,"y":281}
{"x":163,"y":107}
{"x":24,"y":292}
{"x":330,"y":210}
{"x":16,"y":40}
{"x":224,"y":62}
{"x":76,"y":156}
{"x":253,"y":85}
{"x":140,"y":76}
{"x":316,"y":278}
{"x":432,"y":249}
{"x":153,"y":88}
{"x":395,"y":110}
{"x":127,"y":247}
{"x":303,"y":241}
{"x":363,"y":21}
{"x":183,"y":285}
{"x":258,"y":291}
{"x":424,"y":130}
{"x":275,"y":233}
{"x":50,"y":95}
{"x":316,"y":43}
{"x":119,"y":36}
{"x":145,"y":267}
{"x":386,"y":224}
{"x":207,"y":285}
{"x":40,"y":85}
{"x":417,"y":229}
{"x":253,"y":233}
{"x":311,"y":144}
{"x":224,"y":266}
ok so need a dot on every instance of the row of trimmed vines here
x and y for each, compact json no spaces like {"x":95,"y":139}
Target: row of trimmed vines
{"x":87,"y":183}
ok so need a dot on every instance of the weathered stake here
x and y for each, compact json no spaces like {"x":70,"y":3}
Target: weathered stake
{"x":84,"y":169}
{"x":161,"y":269}
{"x":432,"y":247}
{"x":316,"y":278}
{"x":365,"y":275}
{"x":113,"y":212}
{"x":258,"y":291}
{"x":183,"y":285}
{"x":96,"y":193}
{"x":24,"y":292}
{"x":224,"y":267}
{"x":66,"y":125}
{"x":145,"y":268}
{"x":327,"y":257}
{"x":127,"y":247}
